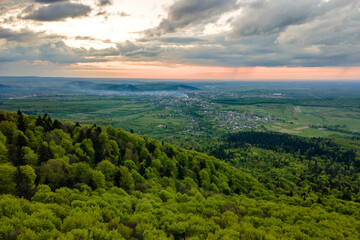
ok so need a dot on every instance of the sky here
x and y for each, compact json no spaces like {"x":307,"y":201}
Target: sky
{"x":181,"y":39}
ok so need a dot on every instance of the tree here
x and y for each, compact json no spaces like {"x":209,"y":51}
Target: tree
{"x":81,"y":172}
{"x":29,"y":156}
{"x":57,"y":124}
{"x":7,"y":179}
{"x":3,"y":149}
{"x":98,"y":179}
{"x":44,"y":152}
{"x":39,"y":122}
{"x":87,"y":146}
{"x":99,"y":143}
{"x":54,"y":173}
{"x":126,"y":179}
{"x":108,"y":169}
{"x":47,"y":123}
{"x":205,"y":179}
{"x":9,"y":129}
{"x":21,"y":123}
{"x":26,"y":181}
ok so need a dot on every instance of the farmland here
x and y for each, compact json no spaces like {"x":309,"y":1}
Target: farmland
{"x":206,"y":109}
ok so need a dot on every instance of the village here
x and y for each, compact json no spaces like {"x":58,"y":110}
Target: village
{"x":204,"y":115}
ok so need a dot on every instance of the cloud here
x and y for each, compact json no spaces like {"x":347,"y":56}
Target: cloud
{"x":6,"y":3}
{"x":49,"y":1}
{"x":216,"y":51}
{"x":332,"y":39}
{"x":274,"y":16}
{"x":17,"y":36}
{"x":131,"y":51}
{"x":56,"y":52}
{"x":185,"y":13}
{"x":124,"y":14}
{"x":25,"y":45}
{"x":339,"y":26}
{"x":59,"y":11}
{"x":104,"y":2}
{"x":25,"y":37}
{"x":181,"y":40}
{"x":263,"y":33}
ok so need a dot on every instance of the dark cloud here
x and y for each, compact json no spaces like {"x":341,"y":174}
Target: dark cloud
{"x":131,"y":51}
{"x":18,"y":53}
{"x":16,"y":36}
{"x":26,"y":37}
{"x":59,"y":52}
{"x":264,"y":51}
{"x":264,"y":33}
{"x":184,"y":13}
{"x":104,"y":2}
{"x":32,"y":46}
{"x":218,"y":52}
{"x":59,"y":11}
{"x":56,"y":52}
{"x":268,"y":16}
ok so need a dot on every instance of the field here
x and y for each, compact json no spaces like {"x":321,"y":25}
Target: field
{"x":127,"y":113}
{"x":159,"y":117}
{"x":201,"y":109}
{"x":311,"y":121}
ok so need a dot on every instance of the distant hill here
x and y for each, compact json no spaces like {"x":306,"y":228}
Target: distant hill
{"x":86,"y":85}
{"x":116,"y":87}
{"x":43,"y":86}
{"x":82,"y":84}
{"x":4,"y":87}
{"x":165,"y":87}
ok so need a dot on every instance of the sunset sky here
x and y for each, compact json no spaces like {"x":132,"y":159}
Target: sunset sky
{"x":182,"y":39}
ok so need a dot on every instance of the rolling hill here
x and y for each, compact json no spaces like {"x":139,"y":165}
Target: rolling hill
{"x":61,"y":180}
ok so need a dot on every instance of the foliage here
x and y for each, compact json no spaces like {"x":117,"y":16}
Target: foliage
{"x":61,"y":180}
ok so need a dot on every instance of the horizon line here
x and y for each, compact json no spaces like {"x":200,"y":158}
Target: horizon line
{"x":190,"y":80}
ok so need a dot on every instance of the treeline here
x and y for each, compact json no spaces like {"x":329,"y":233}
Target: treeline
{"x":61,"y":180}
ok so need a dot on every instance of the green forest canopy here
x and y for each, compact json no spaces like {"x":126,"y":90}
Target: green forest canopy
{"x":60,"y":180}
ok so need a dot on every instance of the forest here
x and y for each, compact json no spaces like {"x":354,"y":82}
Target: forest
{"x":65,"y":180}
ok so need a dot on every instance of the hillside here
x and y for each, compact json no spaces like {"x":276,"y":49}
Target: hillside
{"x":62,"y":180}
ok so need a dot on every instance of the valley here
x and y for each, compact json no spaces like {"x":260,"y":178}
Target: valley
{"x":200,"y":161}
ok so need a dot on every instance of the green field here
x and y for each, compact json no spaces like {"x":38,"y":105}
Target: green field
{"x":126,"y":113}
{"x":309,"y":121}
{"x":169,"y":117}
